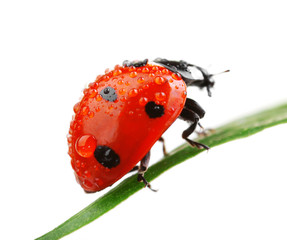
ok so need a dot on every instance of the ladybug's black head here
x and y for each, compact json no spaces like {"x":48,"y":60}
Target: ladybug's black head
{"x":183,"y":68}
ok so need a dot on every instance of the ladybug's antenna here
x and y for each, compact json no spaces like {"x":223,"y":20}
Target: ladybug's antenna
{"x":210,"y":76}
{"x":182,"y":68}
{"x":206,"y":81}
{"x":215,"y":74}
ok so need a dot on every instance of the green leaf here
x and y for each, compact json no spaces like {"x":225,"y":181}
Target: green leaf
{"x":237,"y":129}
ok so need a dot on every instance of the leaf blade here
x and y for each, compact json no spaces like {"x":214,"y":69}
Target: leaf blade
{"x":240,"y":128}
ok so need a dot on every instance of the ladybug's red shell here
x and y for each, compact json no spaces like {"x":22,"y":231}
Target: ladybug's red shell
{"x":121,"y":122}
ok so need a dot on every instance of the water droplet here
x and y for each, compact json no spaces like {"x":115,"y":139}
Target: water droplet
{"x":106,"y":78}
{"x":141,"y":80}
{"x":165,"y":71}
{"x":131,"y":113}
{"x":117,"y":67}
{"x":93,"y":93}
{"x":159,"y":80}
{"x":87,"y":174}
{"x":117,"y":72}
{"x":69,"y":139}
{"x":84,"y":111}
{"x":99,"y":98}
{"x":133,"y":92}
{"x":76,"y":107}
{"x":91,"y":114}
{"x":145,"y":70}
{"x":154,"y":68}
{"x":87,"y":183}
{"x":122,"y":91}
{"x":70,"y":152}
{"x":85,"y":91}
{"x":146,"y":86}
{"x":98,"y":77}
{"x":121,"y":82}
{"x":93,"y":85}
{"x":133,"y":74}
{"x":123,"y":99}
{"x":132,"y":68}
{"x":78,"y":163}
{"x":99,"y":182}
{"x":98,"y":109}
{"x":160,"y":96}
{"x":143,"y":101}
{"x":176,"y":76}
{"x":86,"y":145}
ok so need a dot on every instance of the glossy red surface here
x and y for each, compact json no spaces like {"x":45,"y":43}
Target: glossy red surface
{"x":123,"y":124}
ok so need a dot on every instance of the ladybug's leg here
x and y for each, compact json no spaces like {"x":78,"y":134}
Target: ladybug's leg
{"x":135,"y":168}
{"x":192,"y":112}
{"x":142,"y":169}
{"x":204,"y":131}
{"x":189,"y":131}
{"x":161,"y":139}
{"x":193,"y":106}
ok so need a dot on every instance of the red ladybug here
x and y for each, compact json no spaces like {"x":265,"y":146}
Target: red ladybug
{"x":124,"y":112}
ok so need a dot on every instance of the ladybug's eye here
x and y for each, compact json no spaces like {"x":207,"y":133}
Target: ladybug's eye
{"x":107,"y":156}
{"x":109,"y":94}
{"x":154,"y":110}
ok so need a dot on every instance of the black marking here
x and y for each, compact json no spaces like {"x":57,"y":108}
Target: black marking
{"x":109,"y":94}
{"x":135,"y":63}
{"x":107,"y":156}
{"x":154,"y":110}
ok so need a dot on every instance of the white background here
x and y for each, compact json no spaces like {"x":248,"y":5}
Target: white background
{"x":50,"y":50}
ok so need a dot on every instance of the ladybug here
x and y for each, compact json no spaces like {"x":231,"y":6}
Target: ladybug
{"x":124,"y":112}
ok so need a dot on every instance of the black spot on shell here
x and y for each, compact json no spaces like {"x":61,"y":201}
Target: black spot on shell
{"x":109,"y":94}
{"x":154,"y":110}
{"x":107,"y":156}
